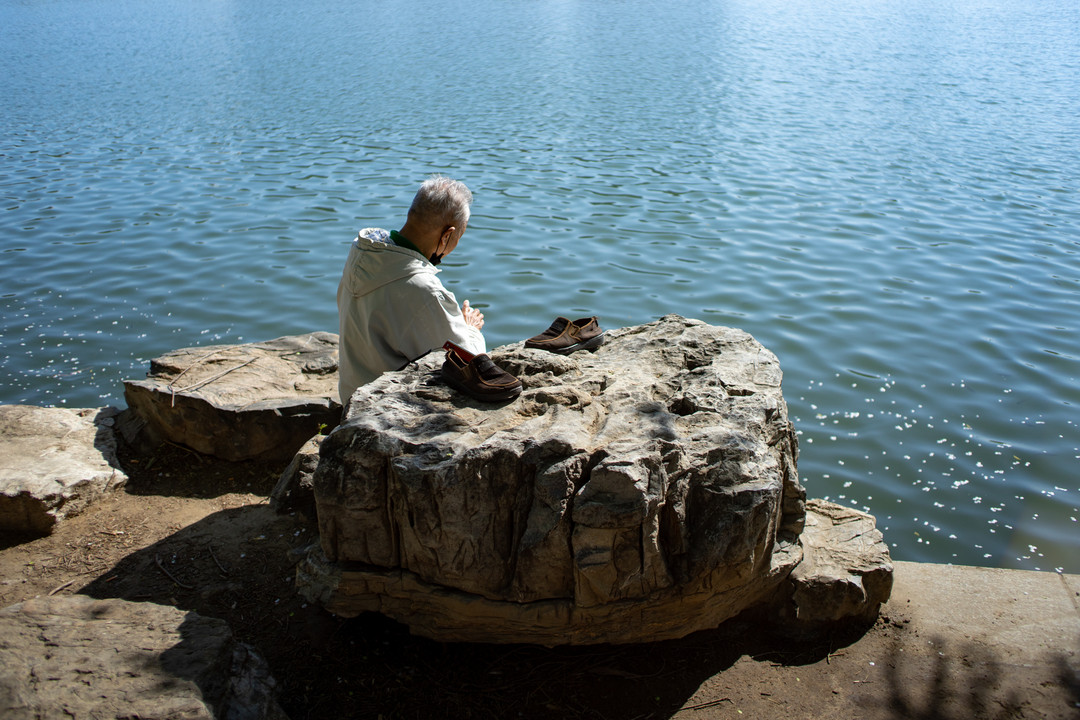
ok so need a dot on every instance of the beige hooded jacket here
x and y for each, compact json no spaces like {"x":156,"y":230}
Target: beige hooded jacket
{"x":392,"y":309}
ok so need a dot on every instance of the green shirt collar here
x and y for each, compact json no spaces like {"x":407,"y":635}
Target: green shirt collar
{"x":402,"y":241}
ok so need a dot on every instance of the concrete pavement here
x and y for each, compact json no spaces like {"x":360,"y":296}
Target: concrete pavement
{"x":952,"y":642}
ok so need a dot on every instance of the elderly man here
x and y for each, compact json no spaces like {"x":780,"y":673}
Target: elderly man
{"x":392,"y":308}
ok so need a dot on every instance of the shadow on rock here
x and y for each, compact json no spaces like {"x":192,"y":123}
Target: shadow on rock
{"x":230,"y":675}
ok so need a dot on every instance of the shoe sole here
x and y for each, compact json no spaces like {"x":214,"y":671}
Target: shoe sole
{"x":590,"y":344}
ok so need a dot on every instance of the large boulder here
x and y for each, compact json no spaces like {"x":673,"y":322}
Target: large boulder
{"x":53,"y":463}
{"x":238,"y":402}
{"x":640,"y":492}
{"x":78,"y":657}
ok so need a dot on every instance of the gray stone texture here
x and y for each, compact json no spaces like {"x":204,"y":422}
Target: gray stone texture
{"x":846,"y":572}
{"x":639,"y":492}
{"x":53,"y":462}
{"x":295,"y":489}
{"x":79,"y":657}
{"x":237,"y":402}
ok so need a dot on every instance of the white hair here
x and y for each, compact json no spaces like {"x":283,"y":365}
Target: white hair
{"x":443,"y":201}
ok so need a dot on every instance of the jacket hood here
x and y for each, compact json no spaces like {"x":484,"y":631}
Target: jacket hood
{"x":378,"y":261}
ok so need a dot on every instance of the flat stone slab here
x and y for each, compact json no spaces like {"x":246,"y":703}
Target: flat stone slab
{"x":53,"y":462}
{"x":78,"y":657}
{"x":846,"y":572}
{"x":238,"y":402}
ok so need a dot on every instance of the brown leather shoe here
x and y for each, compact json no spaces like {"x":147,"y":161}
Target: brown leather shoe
{"x":564,"y":337}
{"x":477,"y":376}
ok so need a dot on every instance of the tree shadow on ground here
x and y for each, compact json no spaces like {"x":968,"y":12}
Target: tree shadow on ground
{"x":238,"y":565}
{"x":1069,"y":677}
{"x":966,"y":680}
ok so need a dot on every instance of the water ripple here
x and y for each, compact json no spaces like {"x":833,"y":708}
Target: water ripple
{"x":885,"y":195}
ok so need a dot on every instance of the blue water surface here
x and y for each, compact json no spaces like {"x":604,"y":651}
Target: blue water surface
{"x":883,"y":192}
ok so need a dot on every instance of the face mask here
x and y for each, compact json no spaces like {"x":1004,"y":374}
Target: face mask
{"x":436,"y":258}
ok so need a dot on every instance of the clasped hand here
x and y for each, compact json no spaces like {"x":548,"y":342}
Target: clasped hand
{"x":472,"y":316}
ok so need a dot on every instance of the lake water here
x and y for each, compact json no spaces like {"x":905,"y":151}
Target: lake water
{"x":883,"y":192}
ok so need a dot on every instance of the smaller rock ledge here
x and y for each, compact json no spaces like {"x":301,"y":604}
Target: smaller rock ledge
{"x":846,"y":573}
{"x":53,"y":463}
{"x":238,"y":402}
{"x":295,"y":490}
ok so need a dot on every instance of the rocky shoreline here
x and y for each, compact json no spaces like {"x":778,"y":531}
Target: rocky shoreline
{"x":163,"y":481}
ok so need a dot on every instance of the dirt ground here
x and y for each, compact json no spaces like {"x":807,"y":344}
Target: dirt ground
{"x":198,"y":534}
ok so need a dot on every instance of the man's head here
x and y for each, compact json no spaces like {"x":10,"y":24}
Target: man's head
{"x":442,"y":201}
{"x":440,"y":213}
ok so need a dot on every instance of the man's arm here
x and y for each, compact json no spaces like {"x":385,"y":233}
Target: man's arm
{"x":439,"y":319}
